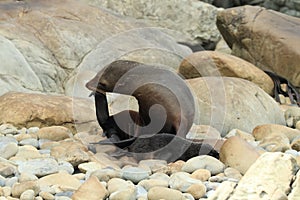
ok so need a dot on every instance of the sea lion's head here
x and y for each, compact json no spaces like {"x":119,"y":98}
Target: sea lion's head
{"x":108,"y":79}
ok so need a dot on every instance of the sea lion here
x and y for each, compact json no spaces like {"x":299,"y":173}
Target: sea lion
{"x":166,"y":104}
{"x":165,"y":146}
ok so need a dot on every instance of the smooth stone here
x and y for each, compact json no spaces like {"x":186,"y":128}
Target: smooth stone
{"x":91,"y":188}
{"x":39,"y":167}
{"x":200,"y":132}
{"x":6,"y":191}
{"x":7,"y":169}
{"x":141,"y":193}
{"x":61,"y":179}
{"x":89,"y":166}
{"x":148,"y":184}
{"x":214,"y":63}
{"x":266,"y":180}
{"x":232,"y":173}
{"x":182,"y":181}
{"x":242,"y":134}
{"x":70,"y":151}
{"x":8,"y":129}
{"x":233,"y":153}
{"x":11,"y":181}
{"x":153,"y":165}
{"x":175,"y":166}
{"x":265,"y":130}
{"x":128,"y":194}
{"x":26,"y":152}
{"x":156,"y":193}
{"x":117,"y":184}
{"x":107,"y":161}
{"x":24,"y":136}
{"x":30,"y":141}
{"x":2,"y":181}
{"x":160,"y":176}
{"x":134,"y":174}
{"x":8,"y":150}
{"x":25,"y":176}
{"x":106,"y":174}
{"x":197,"y":190}
{"x":33,"y":129}
{"x":292,"y":114}
{"x":65,"y":166}
{"x":27,"y":195}
{"x":19,"y":188}
{"x":7,"y":139}
{"x":224,"y":191}
{"x":201,"y":174}
{"x":275,"y":142}
{"x":203,"y":162}
{"x":188,"y":196}
{"x":55,"y":133}
{"x":46,"y":195}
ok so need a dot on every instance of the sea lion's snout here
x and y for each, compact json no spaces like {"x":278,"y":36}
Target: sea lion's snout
{"x":95,"y":86}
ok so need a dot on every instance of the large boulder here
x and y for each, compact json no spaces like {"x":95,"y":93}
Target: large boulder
{"x":28,"y":110}
{"x":191,"y":22}
{"x":266,"y":38}
{"x":227,"y":103}
{"x":213,"y":63}
{"x":43,"y":43}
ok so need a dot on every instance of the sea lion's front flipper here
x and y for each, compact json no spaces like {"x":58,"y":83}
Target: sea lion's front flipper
{"x":114,"y":140}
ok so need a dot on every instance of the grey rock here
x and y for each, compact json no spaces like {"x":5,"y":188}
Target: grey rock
{"x":65,"y":166}
{"x":30,"y":141}
{"x":134,"y":174}
{"x":39,"y":167}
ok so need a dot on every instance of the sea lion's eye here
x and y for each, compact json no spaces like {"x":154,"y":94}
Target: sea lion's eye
{"x":101,"y":85}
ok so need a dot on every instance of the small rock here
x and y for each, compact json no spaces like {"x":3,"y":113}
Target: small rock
{"x":26,"y":153}
{"x":117,"y":184}
{"x":154,"y":165}
{"x":128,"y":194}
{"x":223,"y":191}
{"x":160,"y":176}
{"x":46,"y":195}
{"x":275,"y":142}
{"x":233,"y":153}
{"x":188,"y":196}
{"x":6,"y":191}
{"x":197,"y":190}
{"x":11,"y":181}
{"x":19,"y":188}
{"x":92,"y":189}
{"x":7,"y":169}
{"x":203,"y":162}
{"x":65,"y":166}
{"x":175,"y":167}
{"x":25,"y":176}
{"x":106,"y":174}
{"x":262,"y":131}
{"x":156,"y":193}
{"x":27,"y":195}
{"x":182,"y":181}
{"x":232,"y":173}
{"x":24,"y":136}
{"x":6,"y":129}
{"x":148,"y":184}
{"x":292,"y":114}
{"x":54,"y":133}
{"x":33,"y":129}
{"x":296,"y":143}
{"x":39,"y":167}
{"x":236,"y":132}
{"x":89,"y":166}
{"x":61,"y":179}
{"x":30,"y":141}
{"x":8,"y":150}
{"x":201,"y":174}
{"x":141,"y":193}
{"x":70,"y":151}
{"x":134,"y":174}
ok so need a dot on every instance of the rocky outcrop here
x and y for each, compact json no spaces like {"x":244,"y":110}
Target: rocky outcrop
{"x":27,"y":110}
{"x":268,"y":39}
{"x":191,"y":22}
{"x":213,"y":63}
{"x":226,"y":103}
{"x":46,"y":46}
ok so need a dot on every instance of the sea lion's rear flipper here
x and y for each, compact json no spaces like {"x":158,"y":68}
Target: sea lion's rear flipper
{"x":290,"y":92}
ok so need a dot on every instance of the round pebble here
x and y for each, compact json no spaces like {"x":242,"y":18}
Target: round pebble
{"x":148,"y":184}
{"x":134,"y":174}
{"x":27,"y":195}
{"x":156,"y":193}
{"x":201,"y":174}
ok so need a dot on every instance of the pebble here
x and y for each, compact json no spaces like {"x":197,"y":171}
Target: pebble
{"x":6,"y":129}
{"x":148,"y":184}
{"x":54,"y":133}
{"x":89,"y":166}
{"x":19,"y":188}
{"x":160,"y":176}
{"x":156,"y":193}
{"x":203,"y":162}
{"x":26,"y":176}
{"x":128,"y":194}
{"x":134,"y":174}
{"x":105,"y":174}
{"x":30,"y":141}
{"x":201,"y":174}
{"x":183,"y":182}
{"x":27,"y":195}
{"x":8,"y":150}
{"x":117,"y":184}
{"x":91,"y":188}
{"x":39,"y":167}
{"x":232,"y":173}
{"x":46,"y":195}
{"x":11,"y":181}
{"x":153,"y":165}
{"x":65,"y":166}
